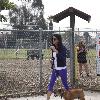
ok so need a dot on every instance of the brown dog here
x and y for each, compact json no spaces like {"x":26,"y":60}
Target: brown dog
{"x":72,"y":94}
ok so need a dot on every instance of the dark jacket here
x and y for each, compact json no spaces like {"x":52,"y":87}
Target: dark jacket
{"x":61,"y":57}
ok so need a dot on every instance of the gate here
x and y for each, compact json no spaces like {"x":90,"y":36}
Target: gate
{"x":24,"y":60}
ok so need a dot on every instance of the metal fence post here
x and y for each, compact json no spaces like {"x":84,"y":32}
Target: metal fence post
{"x":72,"y":60}
{"x":40,"y":59}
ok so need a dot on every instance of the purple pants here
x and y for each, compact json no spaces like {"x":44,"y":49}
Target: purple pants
{"x":55,"y":73}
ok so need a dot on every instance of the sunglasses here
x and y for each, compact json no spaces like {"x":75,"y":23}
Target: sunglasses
{"x":54,"y":39}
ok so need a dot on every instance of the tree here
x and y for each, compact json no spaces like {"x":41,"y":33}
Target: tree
{"x":77,"y":38}
{"x":87,"y":37}
{"x":67,"y":38}
{"x":38,"y":9}
{"x":25,"y":17}
{"x":19,"y":17}
{"x":5,"y":5}
{"x":28,"y":17}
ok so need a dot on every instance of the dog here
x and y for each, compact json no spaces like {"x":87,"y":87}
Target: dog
{"x":71,"y":94}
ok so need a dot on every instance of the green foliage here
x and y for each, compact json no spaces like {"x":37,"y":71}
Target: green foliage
{"x":38,"y":4}
{"x":5,"y":5}
{"x":22,"y":18}
{"x":87,"y":37}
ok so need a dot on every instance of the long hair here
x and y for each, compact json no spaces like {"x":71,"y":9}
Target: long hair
{"x":81,"y":44}
{"x":58,"y":36}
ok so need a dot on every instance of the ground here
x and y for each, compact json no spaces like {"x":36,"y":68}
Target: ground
{"x":89,"y":95}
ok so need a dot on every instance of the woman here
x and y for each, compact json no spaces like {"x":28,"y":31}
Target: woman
{"x":81,"y":56}
{"x":58,"y":64}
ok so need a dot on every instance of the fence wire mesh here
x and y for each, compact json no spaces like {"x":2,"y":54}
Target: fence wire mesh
{"x":25,"y":60}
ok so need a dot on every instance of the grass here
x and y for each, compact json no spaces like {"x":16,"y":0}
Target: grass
{"x":92,"y":53}
{"x":21,"y":53}
{"x":11,"y":53}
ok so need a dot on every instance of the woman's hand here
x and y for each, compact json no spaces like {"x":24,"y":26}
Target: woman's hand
{"x":51,"y":61}
{"x":53,"y":49}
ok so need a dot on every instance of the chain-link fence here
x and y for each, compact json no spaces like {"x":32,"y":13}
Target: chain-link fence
{"x":24,"y":60}
{"x":89,"y":38}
